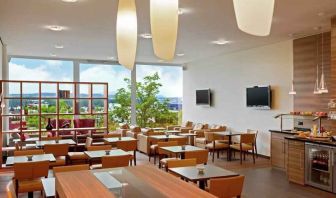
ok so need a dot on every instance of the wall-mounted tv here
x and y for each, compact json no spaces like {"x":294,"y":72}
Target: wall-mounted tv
{"x":259,"y":97}
{"x":203,"y":97}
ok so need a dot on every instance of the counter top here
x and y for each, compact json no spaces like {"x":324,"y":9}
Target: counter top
{"x":331,"y":143}
{"x":289,"y":132}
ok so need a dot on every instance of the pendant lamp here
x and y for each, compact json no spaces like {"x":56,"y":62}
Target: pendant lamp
{"x":316,"y":87}
{"x":127,"y":33}
{"x":323,"y":84}
{"x":164,"y":25}
{"x":292,"y":92}
{"x":254,"y":16}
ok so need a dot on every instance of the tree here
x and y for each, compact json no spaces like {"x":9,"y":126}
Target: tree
{"x":149,"y":108}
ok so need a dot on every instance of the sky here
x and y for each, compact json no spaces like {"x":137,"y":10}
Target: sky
{"x":171,"y":78}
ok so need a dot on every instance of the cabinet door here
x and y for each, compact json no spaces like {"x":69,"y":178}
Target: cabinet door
{"x":278,"y":153}
{"x":296,"y":161}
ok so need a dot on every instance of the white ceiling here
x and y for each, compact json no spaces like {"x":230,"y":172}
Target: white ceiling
{"x":91,"y":27}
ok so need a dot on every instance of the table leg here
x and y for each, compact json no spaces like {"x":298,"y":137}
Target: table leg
{"x":30,"y":194}
{"x":201,"y":184}
{"x":229,"y":154}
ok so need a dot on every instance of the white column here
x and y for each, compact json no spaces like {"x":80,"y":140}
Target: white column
{"x":133,"y":96}
{"x":76,"y":78}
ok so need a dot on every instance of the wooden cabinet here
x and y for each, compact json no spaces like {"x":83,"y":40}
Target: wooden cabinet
{"x":296,"y":162}
{"x":279,"y":150}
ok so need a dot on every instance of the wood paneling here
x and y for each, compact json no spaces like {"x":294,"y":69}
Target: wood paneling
{"x":305,"y":61}
{"x":296,"y":159}
{"x":279,"y":150}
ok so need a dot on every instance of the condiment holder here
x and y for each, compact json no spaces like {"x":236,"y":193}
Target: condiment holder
{"x":107,"y":152}
{"x":30,"y":158}
{"x":183,"y":147}
{"x":200,"y":169}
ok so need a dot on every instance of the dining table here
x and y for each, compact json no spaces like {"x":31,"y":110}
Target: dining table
{"x":41,"y":143}
{"x":35,"y":158}
{"x":229,"y":134}
{"x":192,"y":173}
{"x":117,"y":139}
{"x":92,"y":155}
{"x":133,"y":181}
{"x":191,"y":137}
{"x":181,"y":150}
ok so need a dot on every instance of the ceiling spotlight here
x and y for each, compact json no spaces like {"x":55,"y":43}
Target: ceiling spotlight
{"x":52,"y":54}
{"x":146,"y":35}
{"x":55,"y":28}
{"x":57,"y":46}
{"x":180,"y":54}
{"x":70,"y":1}
{"x":220,"y":42}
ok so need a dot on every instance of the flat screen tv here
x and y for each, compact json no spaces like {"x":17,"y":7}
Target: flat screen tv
{"x":203,"y":97}
{"x":259,"y":97}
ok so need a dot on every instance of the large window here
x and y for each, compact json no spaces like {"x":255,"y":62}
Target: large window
{"x":118,"y":78}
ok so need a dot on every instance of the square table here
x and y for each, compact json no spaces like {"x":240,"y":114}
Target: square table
{"x":178,"y":149}
{"x":229,"y":134}
{"x":40,"y":144}
{"x":173,"y":132}
{"x":115,"y":140}
{"x":102,"y":153}
{"x":191,"y":173}
{"x":48,"y":187}
{"x":36,"y":158}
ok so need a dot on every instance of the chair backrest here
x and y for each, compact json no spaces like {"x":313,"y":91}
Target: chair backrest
{"x":51,"y":138}
{"x":18,"y":146}
{"x":99,"y":148}
{"x":57,"y":149}
{"x":164,"y":144}
{"x":198,"y":126}
{"x":88,"y":142}
{"x":112,"y":135}
{"x":115,"y":161}
{"x":28,"y":152}
{"x":255,"y":132}
{"x":209,"y":136}
{"x":10,"y":190}
{"x":80,"y":167}
{"x":180,"y":141}
{"x":200,"y":156}
{"x":247,"y":138}
{"x":227,"y":187}
{"x":181,"y":163}
{"x":187,"y":124}
{"x":129,"y":145}
{"x":31,"y":170}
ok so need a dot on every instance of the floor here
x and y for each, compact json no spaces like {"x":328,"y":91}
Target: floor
{"x":261,"y":181}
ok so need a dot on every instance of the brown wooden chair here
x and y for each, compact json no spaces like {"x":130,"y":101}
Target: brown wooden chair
{"x":227,"y":187}
{"x":129,"y":146}
{"x":213,"y":144}
{"x":27,"y":176}
{"x":80,"y":156}
{"x":180,"y":141}
{"x":10,"y":191}
{"x":246,"y":144}
{"x":200,"y":156}
{"x":165,"y":156}
{"x":71,"y":168}
{"x":60,"y":151}
{"x":180,"y":163}
{"x":116,"y":161}
{"x":255,"y":139}
{"x":112,"y":135}
{"x":99,"y":148}
{"x":29,"y":152}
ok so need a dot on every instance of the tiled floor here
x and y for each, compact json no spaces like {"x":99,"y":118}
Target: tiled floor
{"x":261,"y":181}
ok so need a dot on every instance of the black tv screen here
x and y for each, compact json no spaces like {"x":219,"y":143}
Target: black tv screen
{"x":258,"y":96}
{"x":203,"y":97}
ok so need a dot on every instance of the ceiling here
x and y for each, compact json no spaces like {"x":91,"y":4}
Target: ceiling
{"x":90,"y":32}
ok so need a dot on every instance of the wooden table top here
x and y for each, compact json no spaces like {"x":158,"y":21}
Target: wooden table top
{"x":99,"y":154}
{"x":114,"y":140}
{"x":178,"y":149}
{"x":137,"y":181}
{"x":44,"y":142}
{"x":17,"y":159}
{"x":228,"y":133}
{"x":210,"y":171}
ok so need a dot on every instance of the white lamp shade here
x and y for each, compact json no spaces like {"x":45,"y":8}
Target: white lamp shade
{"x":164,"y":25}
{"x":127,"y":33}
{"x":254,"y":16}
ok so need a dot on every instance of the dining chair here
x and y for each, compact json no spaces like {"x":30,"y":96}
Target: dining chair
{"x":60,"y":151}
{"x":129,"y":146}
{"x":200,"y":156}
{"x":27,"y":176}
{"x":162,"y":153}
{"x":116,"y":161}
{"x":180,"y":141}
{"x":255,"y":139}
{"x":227,"y":187}
{"x":246,"y":144}
{"x":112,"y":135}
{"x":176,"y":163}
{"x":79,"y":167}
{"x":10,"y":191}
{"x":18,"y":146}
{"x":80,"y":156}
{"x":29,"y":152}
{"x":213,"y":144}
{"x":99,"y":148}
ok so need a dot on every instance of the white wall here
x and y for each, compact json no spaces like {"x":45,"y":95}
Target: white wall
{"x":228,"y":76}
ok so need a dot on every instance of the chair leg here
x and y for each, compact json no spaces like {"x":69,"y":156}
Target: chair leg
{"x":154,"y":158}
{"x":244,"y":155}
{"x":241,"y":157}
{"x":213,"y":155}
{"x":134,"y":158}
{"x":217,"y":154}
{"x":256,"y":152}
{"x":253,"y":156}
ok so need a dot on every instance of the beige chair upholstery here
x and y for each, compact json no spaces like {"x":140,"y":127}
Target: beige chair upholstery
{"x":227,"y":187}
{"x":80,"y":156}
{"x":246,"y":144}
{"x":28,"y":152}
{"x":144,"y":142}
{"x":129,"y":146}
{"x":123,"y":128}
{"x":60,"y":151}
{"x":133,"y":131}
{"x":200,"y":139}
{"x":71,"y":168}
{"x":27,"y":176}
{"x":162,"y":153}
{"x":187,"y":124}
{"x":99,"y":148}
{"x":213,"y":144}
{"x":115,"y":161}
{"x":10,"y":191}
{"x":200,"y":156}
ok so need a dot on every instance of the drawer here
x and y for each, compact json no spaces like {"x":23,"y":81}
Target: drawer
{"x":296,"y":144}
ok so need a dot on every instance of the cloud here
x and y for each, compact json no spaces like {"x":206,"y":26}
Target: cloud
{"x":54,"y":62}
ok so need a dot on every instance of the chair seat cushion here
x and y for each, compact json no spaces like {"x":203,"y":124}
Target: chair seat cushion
{"x":77,"y":156}
{"x":200,"y":140}
{"x":96,"y":166}
{"x":164,"y":161}
{"x":154,"y":147}
{"x":60,"y":161}
{"x":245,"y":147}
{"x":218,"y":145}
{"x":30,"y":185}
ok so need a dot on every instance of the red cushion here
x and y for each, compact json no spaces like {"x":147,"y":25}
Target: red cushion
{"x":84,"y":123}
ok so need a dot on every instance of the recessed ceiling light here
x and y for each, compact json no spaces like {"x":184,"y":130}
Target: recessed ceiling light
{"x":52,"y":54}
{"x":220,"y":42}
{"x":70,"y":1}
{"x":56,"y":28}
{"x":57,"y":46}
{"x":146,"y":35}
{"x":180,"y":54}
